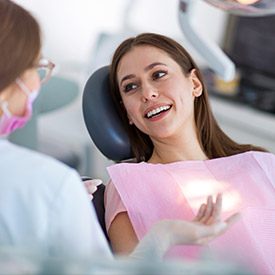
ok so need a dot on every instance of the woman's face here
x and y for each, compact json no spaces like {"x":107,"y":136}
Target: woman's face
{"x":158,"y":97}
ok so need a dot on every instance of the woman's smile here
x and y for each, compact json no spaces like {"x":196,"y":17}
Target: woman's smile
{"x":157,"y":111}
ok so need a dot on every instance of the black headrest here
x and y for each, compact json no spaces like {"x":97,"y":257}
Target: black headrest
{"x":101,"y":118}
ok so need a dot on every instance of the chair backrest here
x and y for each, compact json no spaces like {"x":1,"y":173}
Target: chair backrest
{"x":101,"y":118}
{"x":98,"y":202}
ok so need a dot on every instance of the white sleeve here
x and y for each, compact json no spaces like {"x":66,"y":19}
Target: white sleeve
{"x":74,"y":228}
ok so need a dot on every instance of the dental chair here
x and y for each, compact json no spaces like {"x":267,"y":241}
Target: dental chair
{"x":105,"y":129}
{"x":101,"y":118}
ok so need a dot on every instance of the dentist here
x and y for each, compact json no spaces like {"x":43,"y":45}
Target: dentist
{"x":43,"y":203}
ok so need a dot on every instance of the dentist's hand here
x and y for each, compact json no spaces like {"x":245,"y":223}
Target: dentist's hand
{"x":206,"y":226}
{"x":91,"y":185}
{"x":165,"y":234}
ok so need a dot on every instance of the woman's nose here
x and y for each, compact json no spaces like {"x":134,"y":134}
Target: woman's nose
{"x":149,"y":92}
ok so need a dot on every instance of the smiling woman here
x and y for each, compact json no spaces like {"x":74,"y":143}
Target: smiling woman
{"x":183,"y":156}
{"x":157,"y":96}
{"x":151,"y":71}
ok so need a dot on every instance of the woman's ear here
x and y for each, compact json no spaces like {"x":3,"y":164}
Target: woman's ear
{"x":197,"y":85}
{"x":130,"y":119}
{"x":128,"y":116}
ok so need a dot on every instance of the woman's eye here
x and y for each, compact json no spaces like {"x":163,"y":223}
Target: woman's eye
{"x":159,"y":74}
{"x":129,"y":87}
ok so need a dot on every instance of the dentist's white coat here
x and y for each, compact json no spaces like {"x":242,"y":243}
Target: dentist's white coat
{"x":44,"y":206}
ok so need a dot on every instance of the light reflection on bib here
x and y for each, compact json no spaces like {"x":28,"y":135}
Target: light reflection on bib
{"x":196,"y":192}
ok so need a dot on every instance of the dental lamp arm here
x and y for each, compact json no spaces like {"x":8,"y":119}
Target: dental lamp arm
{"x":215,"y":57}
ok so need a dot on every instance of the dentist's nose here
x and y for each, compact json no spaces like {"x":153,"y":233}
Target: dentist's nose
{"x":149,"y":92}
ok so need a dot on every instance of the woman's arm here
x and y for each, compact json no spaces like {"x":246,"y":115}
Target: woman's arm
{"x":122,"y":235}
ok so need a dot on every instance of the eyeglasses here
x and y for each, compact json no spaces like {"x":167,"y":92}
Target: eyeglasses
{"x":44,"y":69}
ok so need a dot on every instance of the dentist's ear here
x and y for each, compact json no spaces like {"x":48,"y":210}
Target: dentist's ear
{"x":197,"y":85}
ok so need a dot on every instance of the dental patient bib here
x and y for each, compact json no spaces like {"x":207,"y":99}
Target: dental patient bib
{"x":152,"y":192}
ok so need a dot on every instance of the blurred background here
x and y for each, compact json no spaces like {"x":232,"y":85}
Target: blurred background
{"x":80,"y":36}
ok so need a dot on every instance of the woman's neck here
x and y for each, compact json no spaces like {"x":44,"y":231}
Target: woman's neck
{"x":177,"y":149}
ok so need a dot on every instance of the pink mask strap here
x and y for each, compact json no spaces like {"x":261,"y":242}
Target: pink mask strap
{"x":23,"y":86}
{"x":4,"y":107}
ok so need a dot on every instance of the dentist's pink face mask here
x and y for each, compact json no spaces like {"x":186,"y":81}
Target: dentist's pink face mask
{"x":9,"y":122}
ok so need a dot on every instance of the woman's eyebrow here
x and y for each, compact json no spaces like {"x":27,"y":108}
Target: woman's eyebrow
{"x":129,"y":76}
{"x":152,"y":65}
{"x":147,"y":68}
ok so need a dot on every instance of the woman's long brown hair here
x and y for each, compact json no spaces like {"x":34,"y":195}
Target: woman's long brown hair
{"x":20,"y":42}
{"x":213,"y":140}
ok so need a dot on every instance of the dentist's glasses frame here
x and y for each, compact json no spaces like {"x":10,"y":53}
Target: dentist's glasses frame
{"x":44,"y":69}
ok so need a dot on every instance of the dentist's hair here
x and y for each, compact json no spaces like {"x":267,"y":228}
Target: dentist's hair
{"x":214,"y":142}
{"x":20,"y":42}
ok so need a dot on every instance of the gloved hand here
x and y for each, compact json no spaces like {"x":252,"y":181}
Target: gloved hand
{"x":206,"y":226}
{"x":91,"y":185}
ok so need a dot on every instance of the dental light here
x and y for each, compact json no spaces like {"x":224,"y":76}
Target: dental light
{"x":217,"y":60}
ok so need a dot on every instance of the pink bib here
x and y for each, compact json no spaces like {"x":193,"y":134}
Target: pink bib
{"x":152,"y":192}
